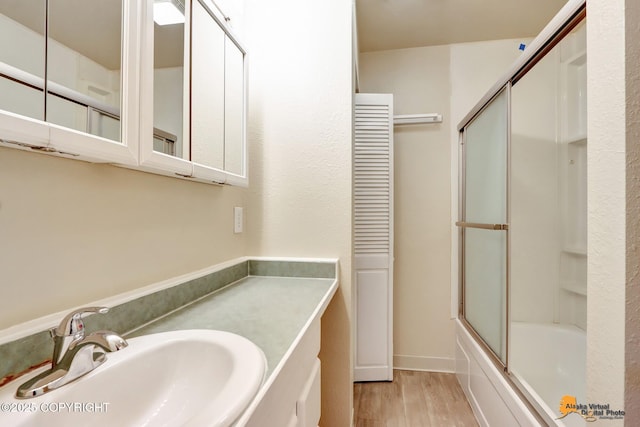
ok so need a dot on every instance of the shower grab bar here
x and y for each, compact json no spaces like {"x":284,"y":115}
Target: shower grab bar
{"x":463,"y":224}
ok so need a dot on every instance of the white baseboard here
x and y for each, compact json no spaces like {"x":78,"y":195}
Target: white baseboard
{"x":373,"y":373}
{"x":422,"y":363}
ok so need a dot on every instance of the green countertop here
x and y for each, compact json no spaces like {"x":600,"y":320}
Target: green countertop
{"x":269,"y":311}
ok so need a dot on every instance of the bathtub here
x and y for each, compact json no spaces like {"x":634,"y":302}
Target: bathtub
{"x":550,"y":360}
{"x":547,"y":359}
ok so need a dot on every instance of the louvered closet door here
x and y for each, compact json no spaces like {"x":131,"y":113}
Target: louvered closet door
{"x":373,"y":239}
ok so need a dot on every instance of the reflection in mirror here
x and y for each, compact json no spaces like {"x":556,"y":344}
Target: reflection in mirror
{"x":168,"y":81}
{"x":22,"y":52}
{"x":207,"y":101}
{"x":233,"y":108}
{"x":84,"y":66}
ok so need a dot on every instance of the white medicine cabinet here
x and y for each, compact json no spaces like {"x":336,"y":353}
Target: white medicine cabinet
{"x":154,"y":85}
{"x":69,"y":78}
{"x":193,"y":94}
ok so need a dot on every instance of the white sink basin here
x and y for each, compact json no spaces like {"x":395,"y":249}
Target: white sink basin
{"x":182,"y":378}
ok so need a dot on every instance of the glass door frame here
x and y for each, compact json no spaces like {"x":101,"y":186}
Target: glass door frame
{"x":500,"y":227}
{"x":572,"y":14}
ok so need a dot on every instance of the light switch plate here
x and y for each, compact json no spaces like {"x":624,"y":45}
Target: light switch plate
{"x":238,"y":219}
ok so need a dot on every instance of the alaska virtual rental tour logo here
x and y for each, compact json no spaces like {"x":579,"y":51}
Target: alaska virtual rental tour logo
{"x":590,"y":412}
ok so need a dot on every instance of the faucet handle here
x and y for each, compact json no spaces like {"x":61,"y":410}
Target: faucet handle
{"x":72,"y":323}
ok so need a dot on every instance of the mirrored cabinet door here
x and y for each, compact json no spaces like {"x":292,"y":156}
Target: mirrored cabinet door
{"x":84,"y":60}
{"x":93,"y":79}
{"x":198,"y":94}
{"x":218,"y":102}
{"x":234,"y":102}
{"x":22,"y":55}
{"x":164,"y":90}
{"x":72,"y":66}
{"x":168,"y":80}
{"x":207,"y":88}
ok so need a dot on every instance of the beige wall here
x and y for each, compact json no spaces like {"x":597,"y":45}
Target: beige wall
{"x":613,"y":85}
{"x":419,"y":81}
{"x":632,"y":298}
{"x":300,"y":120}
{"x":73,"y":232}
{"x":439,"y":79}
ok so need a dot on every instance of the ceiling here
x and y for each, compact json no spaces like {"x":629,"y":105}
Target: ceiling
{"x":93,"y":28}
{"x":398,"y":24}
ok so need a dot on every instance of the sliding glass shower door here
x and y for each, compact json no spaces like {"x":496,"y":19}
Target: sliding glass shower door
{"x":483,"y":220}
{"x":523,"y":220}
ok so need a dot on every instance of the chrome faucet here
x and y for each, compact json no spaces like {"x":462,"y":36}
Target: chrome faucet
{"x":74,"y":353}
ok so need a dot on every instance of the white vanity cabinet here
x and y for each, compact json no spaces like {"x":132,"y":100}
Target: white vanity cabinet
{"x":293,"y":398}
{"x":69,"y":76}
{"x":308,"y":403}
{"x":117,"y":82}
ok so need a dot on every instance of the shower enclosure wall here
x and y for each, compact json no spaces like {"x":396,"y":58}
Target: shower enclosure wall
{"x":522,"y":229}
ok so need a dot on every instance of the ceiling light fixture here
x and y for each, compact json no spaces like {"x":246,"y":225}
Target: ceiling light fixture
{"x":168,"y":12}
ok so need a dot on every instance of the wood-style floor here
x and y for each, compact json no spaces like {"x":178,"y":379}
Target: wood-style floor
{"x":413,"y":399}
